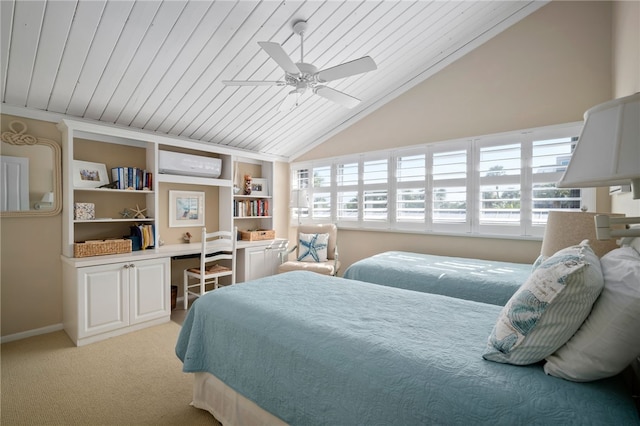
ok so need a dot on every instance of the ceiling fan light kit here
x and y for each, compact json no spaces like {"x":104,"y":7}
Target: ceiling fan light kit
{"x":303,"y":76}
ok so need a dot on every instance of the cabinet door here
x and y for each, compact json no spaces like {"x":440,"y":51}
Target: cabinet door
{"x":149,"y":290}
{"x":103,"y":299}
{"x":262,"y":261}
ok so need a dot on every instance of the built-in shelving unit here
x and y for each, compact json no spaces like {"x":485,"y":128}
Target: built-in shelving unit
{"x":109,"y":295}
{"x":120,"y":147}
{"x":250,"y":211}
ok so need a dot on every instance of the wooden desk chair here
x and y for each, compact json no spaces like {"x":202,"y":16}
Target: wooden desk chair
{"x":216,"y":246}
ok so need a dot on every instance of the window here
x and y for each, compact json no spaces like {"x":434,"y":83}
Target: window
{"x":347,"y":191}
{"x":549,"y":161}
{"x":499,"y":193}
{"x":495,"y":185}
{"x":375,"y":190}
{"x":320,"y":198}
{"x":449,"y":189}
{"x":410,"y":200}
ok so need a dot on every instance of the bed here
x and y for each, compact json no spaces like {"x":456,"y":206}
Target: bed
{"x":305,"y":349}
{"x":471,"y":279}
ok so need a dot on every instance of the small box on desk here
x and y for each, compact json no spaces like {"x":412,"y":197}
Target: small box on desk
{"x":258,"y":235}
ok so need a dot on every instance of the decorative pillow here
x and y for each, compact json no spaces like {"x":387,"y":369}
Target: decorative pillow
{"x":539,"y":262}
{"x":313,"y":247}
{"x":548,"y":308}
{"x":609,"y":339}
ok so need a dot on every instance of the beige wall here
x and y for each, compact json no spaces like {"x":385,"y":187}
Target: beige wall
{"x":626,"y":75}
{"x":31,"y":272}
{"x":547,"y":69}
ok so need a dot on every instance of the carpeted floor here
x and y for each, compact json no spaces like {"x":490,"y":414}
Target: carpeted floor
{"x":135,"y":379}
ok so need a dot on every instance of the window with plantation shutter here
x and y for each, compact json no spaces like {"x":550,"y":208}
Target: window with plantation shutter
{"x":449,"y":186}
{"x":411,"y":188}
{"x":500,"y":179}
{"x":347,"y":191}
{"x":495,"y":185}
{"x":549,"y":160}
{"x":375,"y":190}
{"x":320,"y":196}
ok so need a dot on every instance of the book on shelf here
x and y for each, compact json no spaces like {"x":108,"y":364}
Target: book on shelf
{"x":132,"y":177}
{"x":251,"y":208}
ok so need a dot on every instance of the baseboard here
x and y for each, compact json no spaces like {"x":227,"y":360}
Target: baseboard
{"x":31,"y":333}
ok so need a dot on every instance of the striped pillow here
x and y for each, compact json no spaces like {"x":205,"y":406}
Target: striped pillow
{"x":548,"y":308}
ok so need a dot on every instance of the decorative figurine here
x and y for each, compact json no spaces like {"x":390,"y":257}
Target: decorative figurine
{"x":112,"y":185}
{"x":186,"y":237}
{"x":247,"y":184}
{"x":138,"y":213}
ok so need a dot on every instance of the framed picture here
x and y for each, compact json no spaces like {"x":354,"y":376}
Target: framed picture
{"x":186,"y":208}
{"x":259,"y":186}
{"x":89,"y":175}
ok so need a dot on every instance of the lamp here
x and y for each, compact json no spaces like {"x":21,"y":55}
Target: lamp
{"x":608,"y":150}
{"x":299,"y":200}
{"x":565,"y":229}
{"x":45,"y":201}
{"x":608,"y":153}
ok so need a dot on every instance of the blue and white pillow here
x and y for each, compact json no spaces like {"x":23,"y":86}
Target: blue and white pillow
{"x":609,"y":339}
{"x":313,"y":247}
{"x":548,"y":308}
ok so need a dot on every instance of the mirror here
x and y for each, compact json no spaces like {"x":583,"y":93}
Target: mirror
{"x":30,"y":174}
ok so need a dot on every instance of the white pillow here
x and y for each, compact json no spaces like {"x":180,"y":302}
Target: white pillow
{"x":313,"y":247}
{"x":609,"y":340}
{"x":548,"y":308}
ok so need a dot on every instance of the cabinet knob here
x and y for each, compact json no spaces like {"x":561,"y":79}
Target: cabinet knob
{"x":126,"y":266}
{"x":132,"y":265}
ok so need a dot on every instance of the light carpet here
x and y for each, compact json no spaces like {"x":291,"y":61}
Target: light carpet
{"x":135,"y":379}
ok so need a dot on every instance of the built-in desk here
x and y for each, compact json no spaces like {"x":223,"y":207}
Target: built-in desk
{"x":170,"y":251}
{"x":105,"y":296}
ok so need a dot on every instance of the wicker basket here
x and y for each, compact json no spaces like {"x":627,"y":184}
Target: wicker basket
{"x":259,"y":235}
{"x":101,"y":247}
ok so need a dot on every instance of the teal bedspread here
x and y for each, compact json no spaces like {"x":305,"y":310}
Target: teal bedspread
{"x":318,"y":350}
{"x":471,"y":279}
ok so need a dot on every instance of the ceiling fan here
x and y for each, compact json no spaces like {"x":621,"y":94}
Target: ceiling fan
{"x":303,"y":76}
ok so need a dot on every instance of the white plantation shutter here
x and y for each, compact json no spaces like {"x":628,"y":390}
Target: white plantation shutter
{"x":449,"y":193}
{"x":497,"y":185}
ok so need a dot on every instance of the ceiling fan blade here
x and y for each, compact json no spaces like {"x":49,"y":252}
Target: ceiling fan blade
{"x":336,"y":96}
{"x":253,"y":83}
{"x":290,"y":102}
{"x":357,"y":66}
{"x":278,"y":54}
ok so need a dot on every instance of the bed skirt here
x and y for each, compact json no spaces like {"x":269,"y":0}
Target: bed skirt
{"x":226,"y":405}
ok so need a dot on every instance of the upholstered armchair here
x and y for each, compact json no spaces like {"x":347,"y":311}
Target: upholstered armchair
{"x":316,"y":250}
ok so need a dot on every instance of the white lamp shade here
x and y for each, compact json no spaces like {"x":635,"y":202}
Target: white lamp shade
{"x":608,"y":150}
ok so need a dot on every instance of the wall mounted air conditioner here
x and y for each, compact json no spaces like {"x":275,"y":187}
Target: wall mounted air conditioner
{"x":175,"y":163}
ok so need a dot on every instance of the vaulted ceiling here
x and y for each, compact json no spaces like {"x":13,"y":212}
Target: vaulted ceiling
{"x":159,"y":65}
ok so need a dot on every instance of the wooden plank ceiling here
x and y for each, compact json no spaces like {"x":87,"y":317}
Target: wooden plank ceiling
{"x":159,"y":65}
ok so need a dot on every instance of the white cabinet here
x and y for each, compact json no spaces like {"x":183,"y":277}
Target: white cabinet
{"x":110,"y":299}
{"x":259,"y":259}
